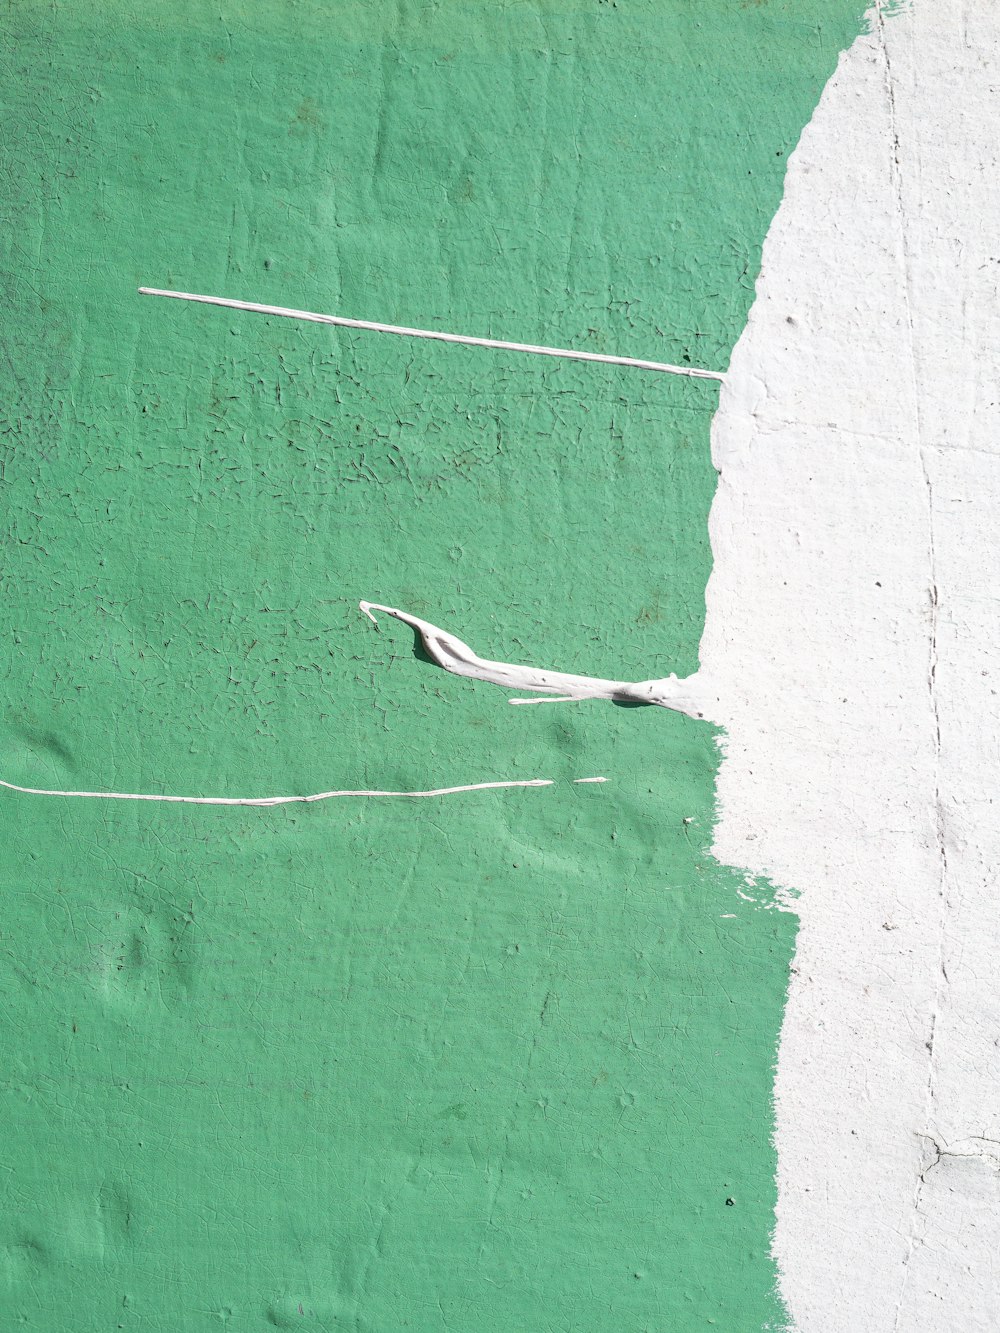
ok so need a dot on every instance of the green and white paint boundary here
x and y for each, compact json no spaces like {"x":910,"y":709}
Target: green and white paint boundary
{"x":504,"y":1060}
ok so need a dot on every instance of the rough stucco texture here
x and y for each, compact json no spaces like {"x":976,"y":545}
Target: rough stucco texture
{"x":499,"y":1062}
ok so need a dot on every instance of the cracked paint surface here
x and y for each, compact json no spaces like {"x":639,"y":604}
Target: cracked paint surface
{"x":852,"y":629}
{"x":496,"y":1063}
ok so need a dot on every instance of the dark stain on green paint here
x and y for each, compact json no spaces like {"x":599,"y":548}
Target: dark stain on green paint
{"x":485,"y":1063}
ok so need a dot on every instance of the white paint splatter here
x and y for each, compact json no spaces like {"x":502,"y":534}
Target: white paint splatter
{"x":853,"y":640}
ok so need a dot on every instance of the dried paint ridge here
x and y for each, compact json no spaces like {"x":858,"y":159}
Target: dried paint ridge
{"x":562,"y":687}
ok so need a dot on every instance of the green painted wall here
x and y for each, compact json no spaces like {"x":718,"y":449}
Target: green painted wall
{"x":496,"y":1061}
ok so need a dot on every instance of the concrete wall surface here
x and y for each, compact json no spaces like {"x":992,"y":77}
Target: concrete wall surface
{"x":469,"y":1043}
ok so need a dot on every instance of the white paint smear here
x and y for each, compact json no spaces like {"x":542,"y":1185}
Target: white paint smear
{"x":853,"y":643}
{"x":458,"y":658}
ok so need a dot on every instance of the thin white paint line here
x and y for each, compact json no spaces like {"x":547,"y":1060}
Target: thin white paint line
{"x":684,"y":696}
{"x":254,"y":307}
{"x":282,"y":800}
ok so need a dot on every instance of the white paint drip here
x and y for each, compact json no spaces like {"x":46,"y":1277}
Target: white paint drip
{"x":853,"y":640}
{"x":435,"y":335}
{"x":285,"y":800}
{"x":458,"y":658}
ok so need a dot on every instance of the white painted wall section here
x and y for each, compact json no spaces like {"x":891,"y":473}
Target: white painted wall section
{"x":853,"y":649}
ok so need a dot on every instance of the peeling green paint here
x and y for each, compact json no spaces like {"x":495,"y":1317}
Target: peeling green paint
{"x":501,"y":1062}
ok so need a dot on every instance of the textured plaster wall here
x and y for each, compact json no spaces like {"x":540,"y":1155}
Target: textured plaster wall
{"x":852,"y":636}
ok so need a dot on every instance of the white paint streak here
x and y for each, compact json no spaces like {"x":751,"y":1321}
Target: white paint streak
{"x":853,"y":641}
{"x":282,"y":800}
{"x":458,"y":658}
{"x":435,"y":335}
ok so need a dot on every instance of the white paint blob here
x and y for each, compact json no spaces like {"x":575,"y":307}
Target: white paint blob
{"x":458,"y":658}
{"x":853,"y":643}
